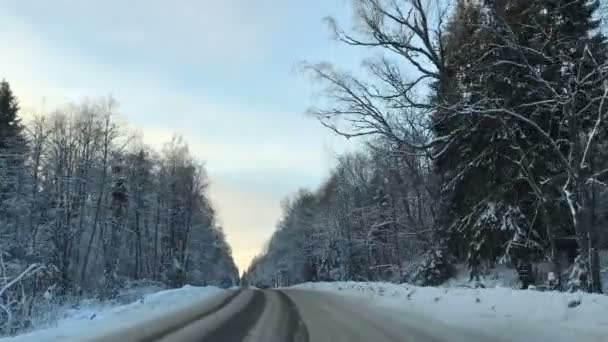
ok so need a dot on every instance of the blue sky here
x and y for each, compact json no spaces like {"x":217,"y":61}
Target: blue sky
{"x":221,"y":73}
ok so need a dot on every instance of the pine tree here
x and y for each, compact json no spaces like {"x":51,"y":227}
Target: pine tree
{"x":482,"y":209}
{"x":525,"y":85}
{"x":559,"y":60}
{"x":580,"y":53}
{"x":13,"y":148}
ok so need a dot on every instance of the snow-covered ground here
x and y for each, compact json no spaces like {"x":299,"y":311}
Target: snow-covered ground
{"x":512,"y":314}
{"x":499,"y":276}
{"x":98,"y":317}
{"x":604,"y":269}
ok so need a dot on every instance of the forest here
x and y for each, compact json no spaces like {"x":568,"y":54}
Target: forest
{"x":87,"y":210}
{"x":485,"y":128}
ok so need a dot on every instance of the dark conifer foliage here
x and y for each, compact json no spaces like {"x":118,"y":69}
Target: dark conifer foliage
{"x":496,"y":110}
{"x":13,"y":148}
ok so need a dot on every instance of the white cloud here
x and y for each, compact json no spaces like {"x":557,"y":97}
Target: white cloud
{"x":189,"y":31}
{"x":239,"y":144}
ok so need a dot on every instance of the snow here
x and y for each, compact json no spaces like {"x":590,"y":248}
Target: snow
{"x":604,"y":269}
{"x":499,"y":276}
{"x":508,"y":314}
{"x":99,"y":317}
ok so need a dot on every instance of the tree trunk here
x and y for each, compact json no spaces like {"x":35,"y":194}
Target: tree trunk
{"x":137,"y":245}
{"x":107,"y":139}
{"x":587,"y":243}
{"x":87,"y":255}
{"x":155,"y":263}
{"x":596,"y":280}
{"x":555,"y":262}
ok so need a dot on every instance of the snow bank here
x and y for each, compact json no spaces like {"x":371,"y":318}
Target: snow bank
{"x":604,"y":269}
{"x":48,"y":313}
{"x":99,"y":317}
{"x":511,"y":315}
{"x":499,"y":276}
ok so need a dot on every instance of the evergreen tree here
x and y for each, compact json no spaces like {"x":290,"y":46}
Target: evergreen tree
{"x":13,"y":148}
{"x":480,"y":183}
{"x":557,"y":56}
{"x":525,"y":87}
{"x":10,"y":124}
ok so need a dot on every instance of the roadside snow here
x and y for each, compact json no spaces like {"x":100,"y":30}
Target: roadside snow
{"x":97,"y":318}
{"x":510,"y":315}
{"x":604,"y":269}
{"x":499,"y":276}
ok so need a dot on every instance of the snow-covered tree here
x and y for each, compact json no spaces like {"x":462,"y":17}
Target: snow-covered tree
{"x":90,"y":209}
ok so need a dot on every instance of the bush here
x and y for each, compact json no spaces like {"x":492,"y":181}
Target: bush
{"x":434,"y":269}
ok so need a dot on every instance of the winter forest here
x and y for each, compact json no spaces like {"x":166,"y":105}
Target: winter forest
{"x":87,"y":210}
{"x":482,"y":128}
{"x":485,"y":127}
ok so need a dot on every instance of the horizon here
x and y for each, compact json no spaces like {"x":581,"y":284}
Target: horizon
{"x":233,"y":83}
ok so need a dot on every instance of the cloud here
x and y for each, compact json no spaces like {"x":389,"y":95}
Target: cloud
{"x":188,"y":31}
{"x":255,"y":156}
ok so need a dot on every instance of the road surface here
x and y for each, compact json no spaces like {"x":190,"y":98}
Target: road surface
{"x":290,"y":316}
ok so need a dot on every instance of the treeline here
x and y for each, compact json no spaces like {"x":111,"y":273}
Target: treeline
{"x":86,"y":209}
{"x":487,"y":117}
{"x":368,"y":221}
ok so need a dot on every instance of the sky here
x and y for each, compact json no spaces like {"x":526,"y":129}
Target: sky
{"x":223,"y":74}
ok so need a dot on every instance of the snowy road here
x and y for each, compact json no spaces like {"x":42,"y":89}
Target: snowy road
{"x":335,"y":312}
{"x":291,"y":315}
{"x":335,"y":318}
